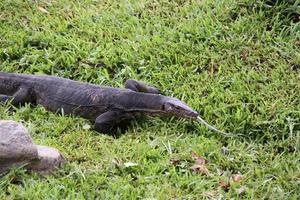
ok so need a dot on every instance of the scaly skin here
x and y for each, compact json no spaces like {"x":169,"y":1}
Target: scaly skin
{"x":105,"y":106}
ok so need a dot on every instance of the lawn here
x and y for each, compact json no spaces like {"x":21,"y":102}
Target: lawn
{"x":236,"y":62}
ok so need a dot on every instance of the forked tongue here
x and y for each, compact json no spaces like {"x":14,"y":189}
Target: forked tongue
{"x":202,"y":121}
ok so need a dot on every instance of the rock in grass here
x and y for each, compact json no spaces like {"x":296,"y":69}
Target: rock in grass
{"x":48,"y":160}
{"x":16,"y":145}
{"x":17,"y":149}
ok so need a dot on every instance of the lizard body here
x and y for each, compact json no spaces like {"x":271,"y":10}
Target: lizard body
{"x":105,"y":106}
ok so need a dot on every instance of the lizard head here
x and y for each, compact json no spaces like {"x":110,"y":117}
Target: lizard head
{"x":177,"y":108}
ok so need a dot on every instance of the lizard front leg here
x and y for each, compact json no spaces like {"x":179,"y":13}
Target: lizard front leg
{"x":140,"y":87}
{"x":109,"y":121}
{"x":23,"y":95}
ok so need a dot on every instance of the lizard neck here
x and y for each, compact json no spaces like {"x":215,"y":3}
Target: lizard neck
{"x":144,"y":102}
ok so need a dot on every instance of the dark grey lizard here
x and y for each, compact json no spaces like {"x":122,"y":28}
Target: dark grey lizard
{"x":106,"y":106}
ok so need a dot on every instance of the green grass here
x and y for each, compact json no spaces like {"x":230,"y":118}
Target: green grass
{"x":236,"y":62}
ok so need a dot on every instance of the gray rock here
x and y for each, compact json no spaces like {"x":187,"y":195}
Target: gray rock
{"x":48,"y":160}
{"x":17,"y":149}
{"x":16,"y":145}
